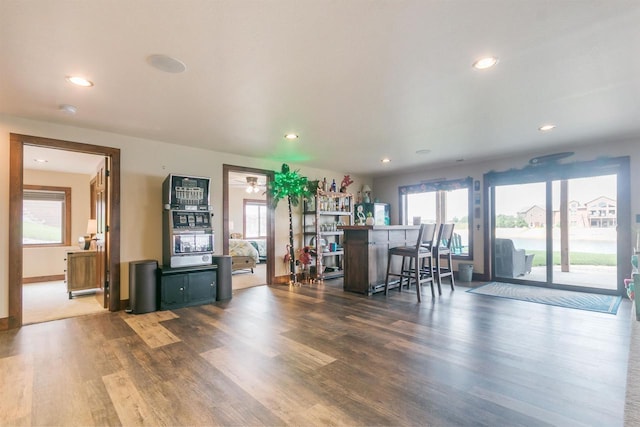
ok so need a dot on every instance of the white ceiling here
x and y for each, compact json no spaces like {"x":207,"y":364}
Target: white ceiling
{"x":358,"y":80}
{"x":60,"y":160}
{"x":239,"y":179}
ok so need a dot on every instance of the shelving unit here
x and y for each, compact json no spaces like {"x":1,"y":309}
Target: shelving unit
{"x":321,"y":216}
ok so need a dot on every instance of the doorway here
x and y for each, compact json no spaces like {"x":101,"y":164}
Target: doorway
{"x":562,"y":226}
{"x":248,"y":225}
{"x":112,"y":235}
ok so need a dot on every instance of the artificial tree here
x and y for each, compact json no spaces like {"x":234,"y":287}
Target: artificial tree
{"x":294,"y":187}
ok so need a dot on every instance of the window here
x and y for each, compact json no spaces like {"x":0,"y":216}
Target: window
{"x":255,"y":219}
{"x":441,"y":202}
{"x":46,"y":216}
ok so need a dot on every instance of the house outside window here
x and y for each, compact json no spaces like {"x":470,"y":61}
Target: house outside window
{"x":46,"y":215}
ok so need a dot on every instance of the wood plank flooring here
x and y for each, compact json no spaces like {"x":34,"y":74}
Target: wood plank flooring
{"x":315,"y":355}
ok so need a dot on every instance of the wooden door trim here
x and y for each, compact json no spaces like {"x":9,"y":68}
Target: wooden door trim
{"x":270,"y":215}
{"x":16,"y":180}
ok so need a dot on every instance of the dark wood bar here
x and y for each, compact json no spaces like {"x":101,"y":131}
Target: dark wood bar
{"x":365,"y":254}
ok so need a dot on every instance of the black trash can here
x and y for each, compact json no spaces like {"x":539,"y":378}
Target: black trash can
{"x":223,"y":291}
{"x":143,"y":286}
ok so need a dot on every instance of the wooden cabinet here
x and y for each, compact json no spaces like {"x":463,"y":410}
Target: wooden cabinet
{"x":322,"y":216}
{"x":81,"y":271}
{"x":182,"y":287}
{"x":366,"y":254}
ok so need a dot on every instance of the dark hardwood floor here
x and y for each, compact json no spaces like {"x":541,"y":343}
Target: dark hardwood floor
{"x":315,"y":355}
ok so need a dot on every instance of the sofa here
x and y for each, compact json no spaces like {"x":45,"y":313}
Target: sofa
{"x":511,"y":262}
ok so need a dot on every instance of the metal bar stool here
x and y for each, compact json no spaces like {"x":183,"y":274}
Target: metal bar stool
{"x":418,"y":255}
{"x":442,"y":251}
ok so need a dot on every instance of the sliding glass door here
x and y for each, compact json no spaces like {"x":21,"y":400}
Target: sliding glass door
{"x":520,"y":232}
{"x":561,"y":226}
{"x":584,"y":232}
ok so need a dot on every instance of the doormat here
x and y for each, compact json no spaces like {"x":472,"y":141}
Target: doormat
{"x":557,"y":297}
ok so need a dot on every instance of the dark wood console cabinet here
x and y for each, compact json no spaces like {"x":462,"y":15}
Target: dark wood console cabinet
{"x":182,"y":287}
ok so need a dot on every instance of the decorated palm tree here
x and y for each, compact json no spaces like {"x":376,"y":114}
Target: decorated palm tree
{"x":294,"y":187}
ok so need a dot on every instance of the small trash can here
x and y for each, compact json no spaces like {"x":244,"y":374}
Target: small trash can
{"x":223,"y":289}
{"x":465,"y":272}
{"x":143,"y":286}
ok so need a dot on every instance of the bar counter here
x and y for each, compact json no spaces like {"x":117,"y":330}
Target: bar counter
{"x":365,"y":254}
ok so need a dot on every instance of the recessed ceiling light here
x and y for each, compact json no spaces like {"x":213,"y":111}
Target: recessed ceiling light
{"x":68,"y":109}
{"x":423,"y":151}
{"x":79,"y":81}
{"x":484,"y":63}
{"x":40,"y":160}
{"x":385,"y":160}
{"x":166,"y":63}
{"x":546,"y":128}
{"x":291,"y":136}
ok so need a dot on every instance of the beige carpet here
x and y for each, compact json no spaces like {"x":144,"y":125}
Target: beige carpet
{"x":242,"y":279}
{"x":46,"y":301}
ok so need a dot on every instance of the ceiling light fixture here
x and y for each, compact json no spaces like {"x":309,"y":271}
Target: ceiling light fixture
{"x":484,"y":63}
{"x":40,"y":160}
{"x":546,"y":128}
{"x":68,"y":109}
{"x":252,"y":185}
{"x":291,"y":136}
{"x":423,"y":151}
{"x":79,"y":81}
{"x":166,"y":63}
{"x":385,"y":160}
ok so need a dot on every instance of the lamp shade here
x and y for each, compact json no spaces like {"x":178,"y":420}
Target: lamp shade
{"x":366,"y":189}
{"x":92,"y":226}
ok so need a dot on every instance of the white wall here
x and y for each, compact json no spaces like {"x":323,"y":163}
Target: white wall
{"x":386,"y":188}
{"x":49,"y":261}
{"x":144,"y":165}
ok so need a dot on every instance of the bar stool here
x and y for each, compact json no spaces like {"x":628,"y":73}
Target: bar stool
{"x":418,"y":255}
{"x":442,"y":250}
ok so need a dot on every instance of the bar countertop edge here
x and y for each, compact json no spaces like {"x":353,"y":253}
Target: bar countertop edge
{"x":378,"y":227}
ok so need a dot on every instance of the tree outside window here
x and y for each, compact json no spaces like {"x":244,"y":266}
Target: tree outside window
{"x":46,"y":216}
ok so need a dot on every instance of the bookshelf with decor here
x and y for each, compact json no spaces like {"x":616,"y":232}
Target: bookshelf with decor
{"x":322,"y":214}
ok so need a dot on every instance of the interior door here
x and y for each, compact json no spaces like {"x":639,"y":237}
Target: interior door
{"x":102,"y":236}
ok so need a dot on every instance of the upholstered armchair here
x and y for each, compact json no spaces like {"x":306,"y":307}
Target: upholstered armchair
{"x":511,"y":262}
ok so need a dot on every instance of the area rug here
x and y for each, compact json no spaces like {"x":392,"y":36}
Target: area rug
{"x":559,"y":298}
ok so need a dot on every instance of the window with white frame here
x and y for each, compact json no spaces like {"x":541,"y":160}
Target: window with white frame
{"x":46,"y":216}
{"x":441,"y":202}
{"x":255,"y":219}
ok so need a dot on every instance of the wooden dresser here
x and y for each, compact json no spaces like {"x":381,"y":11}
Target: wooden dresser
{"x":81,"y":271}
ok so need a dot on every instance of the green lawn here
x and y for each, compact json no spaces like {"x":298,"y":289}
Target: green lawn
{"x":576,"y":258}
{"x":41,"y":232}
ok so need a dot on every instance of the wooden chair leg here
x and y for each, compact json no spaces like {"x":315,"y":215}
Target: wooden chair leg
{"x":386,"y":281}
{"x":418,"y":286}
{"x":402,"y":275}
{"x":451,"y":270}
{"x":433,"y":279}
